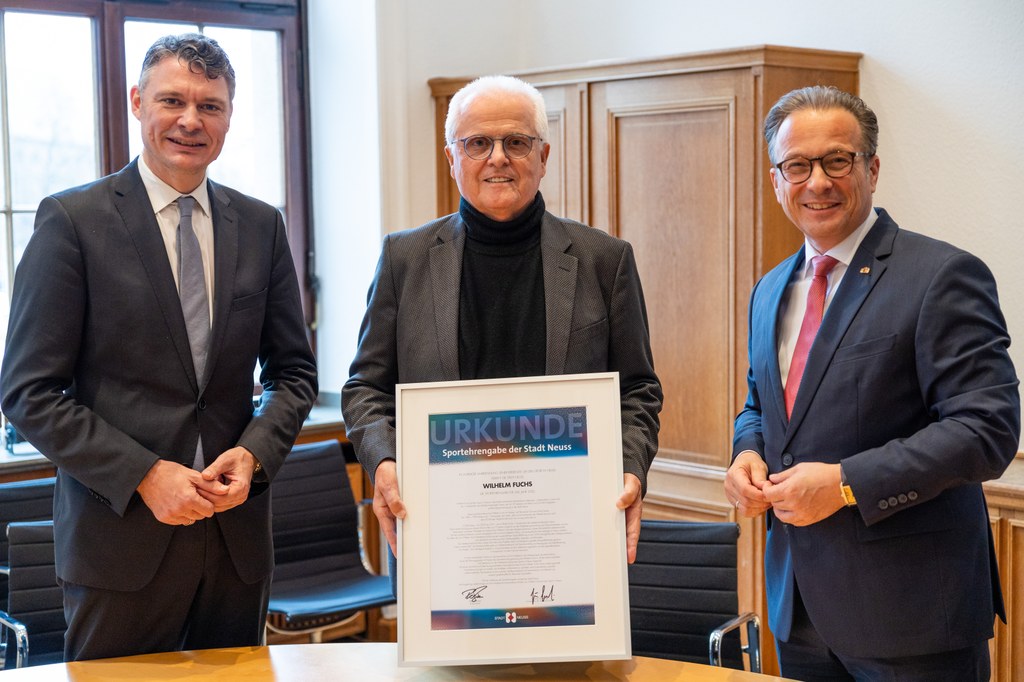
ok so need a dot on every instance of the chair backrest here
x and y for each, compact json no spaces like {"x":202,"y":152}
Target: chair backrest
{"x":681,"y":587}
{"x":35,"y":599}
{"x":315,"y":518}
{"x":22,"y":501}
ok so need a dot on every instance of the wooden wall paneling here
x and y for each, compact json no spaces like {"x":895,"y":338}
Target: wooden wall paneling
{"x":564,"y":183}
{"x":1005,"y":498}
{"x":442,"y":90}
{"x":997,"y":645}
{"x":1011,"y":635}
{"x":1007,"y":647}
{"x":663,"y":178}
{"x":38,"y":468}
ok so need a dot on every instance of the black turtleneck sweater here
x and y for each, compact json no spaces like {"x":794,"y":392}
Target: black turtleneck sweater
{"x":502,"y":328}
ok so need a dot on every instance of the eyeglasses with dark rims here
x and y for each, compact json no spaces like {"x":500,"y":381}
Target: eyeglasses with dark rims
{"x":480,"y":147}
{"x":837,"y":164}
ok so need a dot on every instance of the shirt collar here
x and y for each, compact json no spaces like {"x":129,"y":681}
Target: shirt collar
{"x":162,"y":195}
{"x":845,"y":250}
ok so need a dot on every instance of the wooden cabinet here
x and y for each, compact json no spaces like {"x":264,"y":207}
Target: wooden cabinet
{"x":668,"y":154}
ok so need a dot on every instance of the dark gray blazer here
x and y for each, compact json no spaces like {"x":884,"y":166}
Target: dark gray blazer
{"x":910,"y":385}
{"x":98,"y":372}
{"x":595,"y":316}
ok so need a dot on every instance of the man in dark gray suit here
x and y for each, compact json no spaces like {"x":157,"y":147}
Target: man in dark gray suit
{"x":502,"y":288}
{"x":162,"y":514}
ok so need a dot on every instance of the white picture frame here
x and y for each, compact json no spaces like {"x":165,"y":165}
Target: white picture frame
{"x":579,"y":526}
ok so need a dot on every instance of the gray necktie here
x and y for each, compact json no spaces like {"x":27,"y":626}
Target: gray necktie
{"x":194,"y":302}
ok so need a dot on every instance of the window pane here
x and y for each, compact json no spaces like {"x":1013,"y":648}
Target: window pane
{"x":5,"y":284}
{"x":22,"y":230}
{"x":4,"y":205}
{"x":51,"y":104}
{"x":252,"y":160}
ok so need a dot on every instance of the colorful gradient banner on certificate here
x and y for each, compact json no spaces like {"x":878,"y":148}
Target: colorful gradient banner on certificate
{"x":511,"y":434}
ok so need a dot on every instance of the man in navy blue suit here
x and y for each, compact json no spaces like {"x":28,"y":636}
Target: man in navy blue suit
{"x":881,"y":396}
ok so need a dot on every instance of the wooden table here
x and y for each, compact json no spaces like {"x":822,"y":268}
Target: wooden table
{"x":376,"y":662}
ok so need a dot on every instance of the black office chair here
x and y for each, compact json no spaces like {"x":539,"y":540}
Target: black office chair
{"x":321,"y":578}
{"x":36,"y":604}
{"x":682,"y":596}
{"x":21,"y":501}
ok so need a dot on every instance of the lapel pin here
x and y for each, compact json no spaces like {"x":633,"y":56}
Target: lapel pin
{"x":865,"y":270}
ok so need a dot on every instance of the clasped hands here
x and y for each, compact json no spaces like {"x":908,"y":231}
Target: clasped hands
{"x":180,"y":496}
{"x":388,"y":506}
{"x":801,"y":495}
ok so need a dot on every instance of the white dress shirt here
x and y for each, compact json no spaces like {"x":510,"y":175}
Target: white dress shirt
{"x":164,"y":198}
{"x":794,"y":301}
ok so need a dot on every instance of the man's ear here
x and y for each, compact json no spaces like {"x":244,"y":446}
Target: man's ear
{"x":451,"y":161}
{"x":136,"y":100}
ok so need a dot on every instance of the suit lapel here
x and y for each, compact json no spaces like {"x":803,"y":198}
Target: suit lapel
{"x":225,"y":255}
{"x":770,"y":333}
{"x":559,"y":270}
{"x":445,"y":274}
{"x":866,"y":268}
{"x":136,"y":211}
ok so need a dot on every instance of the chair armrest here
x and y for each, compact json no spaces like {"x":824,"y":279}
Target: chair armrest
{"x":363,"y":508}
{"x":21,"y":637}
{"x":753,"y":646}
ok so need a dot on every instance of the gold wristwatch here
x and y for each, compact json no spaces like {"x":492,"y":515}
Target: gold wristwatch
{"x":845,"y":490}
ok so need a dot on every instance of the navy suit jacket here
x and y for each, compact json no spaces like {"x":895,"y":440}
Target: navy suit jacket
{"x":596,"y":321}
{"x":98,"y":370}
{"x":909,"y":384}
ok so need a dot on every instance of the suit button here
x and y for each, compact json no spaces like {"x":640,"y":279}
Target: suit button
{"x":893,"y":501}
{"x":201,"y":404}
{"x":787,"y":460}
{"x":903,"y":498}
{"x":912,"y":495}
{"x":883,"y":505}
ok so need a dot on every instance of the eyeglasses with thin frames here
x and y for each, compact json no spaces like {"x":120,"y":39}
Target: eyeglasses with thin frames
{"x":837,"y":164}
{"x":515,"y":146}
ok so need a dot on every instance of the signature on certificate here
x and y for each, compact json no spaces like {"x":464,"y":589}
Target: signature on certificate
{"x":547,"y":593}
{"x":474,"y":594}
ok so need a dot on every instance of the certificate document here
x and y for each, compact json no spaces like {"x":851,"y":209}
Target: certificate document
{"x":512,"y":549}
{"x":510,"y":546}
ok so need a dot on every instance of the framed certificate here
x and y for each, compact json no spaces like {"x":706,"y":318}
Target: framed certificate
{"x":512,"y":549}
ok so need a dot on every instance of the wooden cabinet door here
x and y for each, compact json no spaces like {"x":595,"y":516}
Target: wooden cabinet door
{"x":564,"y":184}
{"x":672,"y":173}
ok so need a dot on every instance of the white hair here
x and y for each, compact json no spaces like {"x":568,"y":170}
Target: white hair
{"x":495,"y":84}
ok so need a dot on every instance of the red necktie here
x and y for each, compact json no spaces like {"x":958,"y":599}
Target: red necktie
{"x":809,"y":327}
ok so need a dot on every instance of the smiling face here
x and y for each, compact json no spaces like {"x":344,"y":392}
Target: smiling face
{"x":499,"y":187}
{"x":827,"y":210}
{"x":184,"y":118}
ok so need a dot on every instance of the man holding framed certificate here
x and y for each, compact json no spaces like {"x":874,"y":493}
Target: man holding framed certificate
{"x":501,"y":289}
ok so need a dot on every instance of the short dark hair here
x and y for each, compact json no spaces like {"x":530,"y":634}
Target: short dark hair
{"x":200,"y":53}
{"x":820,"y":98}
